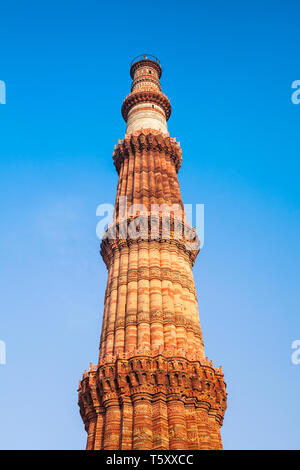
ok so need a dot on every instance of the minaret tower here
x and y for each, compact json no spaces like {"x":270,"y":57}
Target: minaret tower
{"x":153,"y":387}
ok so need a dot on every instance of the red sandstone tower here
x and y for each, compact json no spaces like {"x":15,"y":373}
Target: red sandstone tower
{"x":152,"y":388}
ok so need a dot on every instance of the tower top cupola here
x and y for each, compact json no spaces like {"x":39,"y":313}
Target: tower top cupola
{"x":146,"y":107}
{"x":145,"y":60}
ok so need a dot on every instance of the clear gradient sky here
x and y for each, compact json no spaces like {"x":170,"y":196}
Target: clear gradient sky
{"x":227,"y":69}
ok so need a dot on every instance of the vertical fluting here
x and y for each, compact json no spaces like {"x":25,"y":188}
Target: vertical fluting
{"x":177,"y":424}
{"x":112,"y":425}
{"x":136,"y":178}
{"x":131,"y":301}
{"x":102,"y":346}
{"x":214,"y":433}
{"x":186,"y":310}
{"x":165,"y":178}
{"x":111,"y":316}
{"x":121,"y":301}
{"x":203,"y":432}
{"x":91,"y":433}
{"x":142,"y":423}
{"x":143,"y":308}
{"x":158,"y":179}
{"x":160,"y":424}
{"x":99,"y":429}
{"x":123,"y":187}
{"x":168,"y":303}
{"x":181,"y":334}
{"x":151,"y":177}
{"x":145,"y":180}
{"x":156,"y":308}
{"x":192,"y":428}
{"x":126,"y":424}
{"x":119,"y":190}
{"x":130,"y":178}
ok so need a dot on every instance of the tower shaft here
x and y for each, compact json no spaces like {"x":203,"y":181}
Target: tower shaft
{"x":152,"y":388}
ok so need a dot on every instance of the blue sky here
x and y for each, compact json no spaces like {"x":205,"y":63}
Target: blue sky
{"x":227,"y":69}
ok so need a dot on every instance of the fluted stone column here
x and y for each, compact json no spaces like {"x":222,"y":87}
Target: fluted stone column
{"x":160,"y":424}
{"x":98,"y":443}
{"x":153,"y":387}
{"x":112,"y":432}
{"x":142,"y":423}
{"x":126,"y":424}
{"x":177,"y":424}
{"x":91,"y":433}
